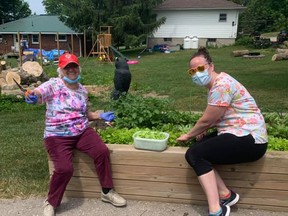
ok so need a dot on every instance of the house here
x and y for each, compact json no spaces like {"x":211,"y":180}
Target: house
{"x":39,"y":29}
{"x":211,"y":22}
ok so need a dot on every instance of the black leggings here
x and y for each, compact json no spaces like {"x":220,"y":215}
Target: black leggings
{"x":223,"y":149}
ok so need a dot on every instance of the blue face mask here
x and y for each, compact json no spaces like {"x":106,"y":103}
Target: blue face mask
{"x":66,"y":79}
{"x":202,"y":78}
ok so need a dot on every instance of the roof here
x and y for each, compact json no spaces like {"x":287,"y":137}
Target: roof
{"x":198,"y":4}
{"x":47,"y":24}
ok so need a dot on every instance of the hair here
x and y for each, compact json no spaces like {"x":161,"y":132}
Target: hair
{"x":60,"y":72}
{"x":202,"y":51}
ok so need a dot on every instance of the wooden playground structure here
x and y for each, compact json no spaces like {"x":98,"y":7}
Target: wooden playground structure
{"x":102,"y":44}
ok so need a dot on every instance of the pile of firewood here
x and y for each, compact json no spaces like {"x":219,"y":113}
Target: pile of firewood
{"x":281,"y":54}
{"x":31,"y":74}
{"x":240,"y":53}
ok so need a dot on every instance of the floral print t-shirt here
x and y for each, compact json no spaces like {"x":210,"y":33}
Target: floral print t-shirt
{"x":242,"y":116}
{"x":65,"y":108}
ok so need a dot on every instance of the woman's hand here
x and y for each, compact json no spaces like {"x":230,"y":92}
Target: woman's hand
{"x":31,"y":97}
{"x":200,"y":136}
{"x":92,"y":116}
{"x":108,"y":116}
{"x":183,"y":138}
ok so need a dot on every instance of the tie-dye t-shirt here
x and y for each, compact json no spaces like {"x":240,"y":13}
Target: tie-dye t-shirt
{"x":65,"y":108}
{"x":242,"y":116}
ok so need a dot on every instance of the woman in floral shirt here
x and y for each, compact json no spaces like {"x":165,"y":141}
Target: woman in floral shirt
{"x":241,"y":132}
{"x":67,"y":128}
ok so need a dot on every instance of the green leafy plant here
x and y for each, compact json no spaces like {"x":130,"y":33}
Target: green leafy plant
{"x":148,"y":134}
{"x":278,"y":144}
{"x":147,"y":112}
{"x":117,"y":135}
{"x":277,"y":124}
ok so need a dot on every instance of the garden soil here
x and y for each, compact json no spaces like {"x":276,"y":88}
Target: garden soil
{"x":95,"y":207}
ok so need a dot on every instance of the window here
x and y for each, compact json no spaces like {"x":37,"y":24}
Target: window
{"x":222,"y":17}
{"x":25,"y":37}
{"x":35,"y":39}
{"x":62,"y":37}
{"x":167,"y":39}
{"x":211,"y":39}
{"x":1,"y":38}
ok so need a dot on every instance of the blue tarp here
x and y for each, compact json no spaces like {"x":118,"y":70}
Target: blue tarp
{"x":50,"y":55}
{"x":160,"y":47}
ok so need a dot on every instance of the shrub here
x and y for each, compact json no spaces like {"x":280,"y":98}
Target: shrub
{"x":244,"y":41}
{"x":15,"y":103}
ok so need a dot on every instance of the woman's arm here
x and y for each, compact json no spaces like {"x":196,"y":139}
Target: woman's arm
{"x":92,"y":116}
{"x":208,"y":119}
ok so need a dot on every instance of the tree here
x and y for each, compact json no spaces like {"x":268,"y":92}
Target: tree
{"x":53,"y":6}
{"x":77,"y":14}
{"x":240,"y":2}
{"x":13,"y":10}
{"x":265,"y":16}
{"x":131,"y":20}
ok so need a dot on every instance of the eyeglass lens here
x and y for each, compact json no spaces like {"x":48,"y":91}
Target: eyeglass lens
{"x":200,"y":68}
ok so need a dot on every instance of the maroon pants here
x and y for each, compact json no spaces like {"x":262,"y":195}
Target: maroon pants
{"x":60,"y":150}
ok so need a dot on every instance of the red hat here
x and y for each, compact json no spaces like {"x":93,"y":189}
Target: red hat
{"x":66,"y":59}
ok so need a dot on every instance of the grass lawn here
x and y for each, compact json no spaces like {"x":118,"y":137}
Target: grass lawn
{"x":166,"y":75}
{"x":23,"y":163}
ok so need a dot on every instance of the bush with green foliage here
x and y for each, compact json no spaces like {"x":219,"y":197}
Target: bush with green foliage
{"x":10,"y":103}
{"x":244,"y":41}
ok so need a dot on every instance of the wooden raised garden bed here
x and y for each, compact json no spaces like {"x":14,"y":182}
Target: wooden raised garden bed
{"x":166,"y":176}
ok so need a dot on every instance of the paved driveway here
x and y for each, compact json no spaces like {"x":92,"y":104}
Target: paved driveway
{"x":95,"y":207}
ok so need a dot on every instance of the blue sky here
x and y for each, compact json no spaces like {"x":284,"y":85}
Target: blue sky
{"x":36,"y":6}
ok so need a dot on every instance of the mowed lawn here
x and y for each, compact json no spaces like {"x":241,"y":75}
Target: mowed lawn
{"x":165,"y":74}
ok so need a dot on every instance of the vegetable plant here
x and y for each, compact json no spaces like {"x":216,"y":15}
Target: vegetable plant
{"x":147,"y":134}
{"x":135,"y":113}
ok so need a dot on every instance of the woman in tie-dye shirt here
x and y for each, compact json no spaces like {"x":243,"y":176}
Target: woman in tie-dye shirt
{"x":67,"y":128}
{"x":241,"y":134}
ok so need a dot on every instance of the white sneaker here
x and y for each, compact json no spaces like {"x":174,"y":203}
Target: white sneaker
{"x":48,"y":209}
{"x":114,"y":198}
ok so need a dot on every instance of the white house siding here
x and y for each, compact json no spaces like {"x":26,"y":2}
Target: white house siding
{"x":201,"y":23}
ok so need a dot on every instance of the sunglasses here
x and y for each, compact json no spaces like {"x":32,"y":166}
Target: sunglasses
{"x":192,"y":71}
